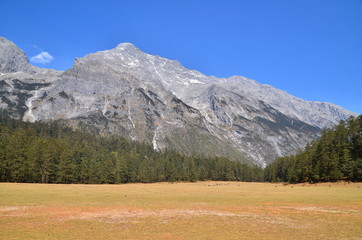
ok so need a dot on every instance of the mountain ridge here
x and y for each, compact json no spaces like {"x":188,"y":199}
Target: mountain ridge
{"x":156,"y":100}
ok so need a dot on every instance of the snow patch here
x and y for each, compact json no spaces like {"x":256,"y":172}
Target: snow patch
{"x":196,"y":81}
{"x":133,"y":63}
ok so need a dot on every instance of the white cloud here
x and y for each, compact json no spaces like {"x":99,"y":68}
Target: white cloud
{"x":43,"y":57}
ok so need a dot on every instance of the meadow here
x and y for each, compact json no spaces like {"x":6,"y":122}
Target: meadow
{"x":201,"y":210}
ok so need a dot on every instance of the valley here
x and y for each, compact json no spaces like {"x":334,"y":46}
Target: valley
{"x":181,"y":120}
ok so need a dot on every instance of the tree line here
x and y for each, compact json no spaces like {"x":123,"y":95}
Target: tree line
{"x":51,"y":152}
{"x":336,"y":155}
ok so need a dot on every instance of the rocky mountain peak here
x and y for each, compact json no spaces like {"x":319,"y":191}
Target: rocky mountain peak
{"x":12,"y":58}
{"x":126,"y":46}
{"x":152,"y":99}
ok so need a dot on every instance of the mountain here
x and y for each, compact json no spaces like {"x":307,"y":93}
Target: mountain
{"x":335,"y":156}
{"x":148,"y":98}
{"x":19,"y":79}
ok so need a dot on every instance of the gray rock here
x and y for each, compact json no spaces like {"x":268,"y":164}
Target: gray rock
{"x":19,"y":80}
{"x":156,"y":100}
{"x":12,"y":58}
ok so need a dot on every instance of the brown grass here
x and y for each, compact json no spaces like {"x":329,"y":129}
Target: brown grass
{"x":203,"y":210}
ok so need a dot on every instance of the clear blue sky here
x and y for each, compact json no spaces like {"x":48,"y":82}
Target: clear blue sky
{"x":309,"y":48}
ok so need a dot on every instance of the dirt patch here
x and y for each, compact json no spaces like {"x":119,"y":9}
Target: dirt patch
{"x":12,"y":208}
{"x":326,"y":210}
{"x":134,"y":215}
{"x":165,"y":215}
{"x":13,"y":211}
{"x":125,"y":215}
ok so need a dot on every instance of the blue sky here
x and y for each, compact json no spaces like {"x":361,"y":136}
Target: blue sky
{"x":309,"y":48}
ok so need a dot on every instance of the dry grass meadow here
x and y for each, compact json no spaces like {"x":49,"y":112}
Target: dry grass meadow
{"x":202,"y":210}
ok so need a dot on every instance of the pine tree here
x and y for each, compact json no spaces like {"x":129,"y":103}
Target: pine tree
{"x":66,"y":167}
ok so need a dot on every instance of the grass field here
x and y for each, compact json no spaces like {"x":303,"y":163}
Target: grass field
{"x":202,"y":210}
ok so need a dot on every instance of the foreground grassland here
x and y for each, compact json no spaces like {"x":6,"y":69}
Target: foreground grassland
{"x":203,"y":210}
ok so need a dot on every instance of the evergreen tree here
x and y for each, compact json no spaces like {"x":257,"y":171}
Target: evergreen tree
{"x":336,"y":155}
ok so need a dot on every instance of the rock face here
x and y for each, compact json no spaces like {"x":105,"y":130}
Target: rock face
{"x":155,"y":100}
{"x":19,"y":80}
{"x":12,"y":58}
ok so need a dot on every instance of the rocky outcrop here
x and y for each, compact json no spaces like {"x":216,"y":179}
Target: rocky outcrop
{"x":12,"y":58}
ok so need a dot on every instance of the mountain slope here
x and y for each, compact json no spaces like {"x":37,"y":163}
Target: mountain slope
{"x":96,"y":95}
{"x":245,"y":103}
{"x":19,"y":80}
{"x":152,"y":99}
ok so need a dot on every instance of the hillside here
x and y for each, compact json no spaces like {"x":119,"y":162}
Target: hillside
{"x":336,"y":155}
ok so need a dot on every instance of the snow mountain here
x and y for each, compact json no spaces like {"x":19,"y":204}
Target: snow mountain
{"x":151,"y":99}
